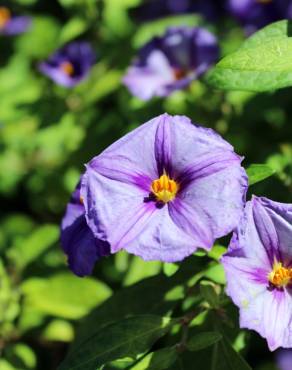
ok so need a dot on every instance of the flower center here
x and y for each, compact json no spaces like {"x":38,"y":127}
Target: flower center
{"x":264,"y":1}
{"x":5,"y":16}
{"x":164,"y":188}
{"x":179,"y":73}
{"x":67,"y":68}
{"x":280,"y":276}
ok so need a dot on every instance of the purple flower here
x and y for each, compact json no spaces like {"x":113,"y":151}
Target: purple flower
{"x":152,"y":9}
{"x":255,"y":14}
{"x":164,"y":190}
{"x":78,"y":241}
{"x":70,"y":65}
{"x":258,"y":267}
{"x":12,"y":25}
{"x":171,"y":62}
{"x":284,"y":359}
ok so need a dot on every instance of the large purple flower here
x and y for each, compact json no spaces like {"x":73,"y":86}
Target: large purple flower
{"x":171,"y":62}
{"x":258,"y":267}
{"x":70,"y":65}
{"x":255,"y":14}
{"x":12,"y":25}
{"x":78,"y":241}
{"x":164,"y":190}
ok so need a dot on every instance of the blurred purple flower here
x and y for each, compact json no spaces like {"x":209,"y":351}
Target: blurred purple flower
{"x":164,"y":190}
{"x":78,"y":241}
{"x":152,"y":9}
{"x":258,"y":268}
{"x":70,"y":65}
{"x":12,"y":25}
{"x":255,"y":14}
{"x":171,"y":62}
{"x":284,"y":359}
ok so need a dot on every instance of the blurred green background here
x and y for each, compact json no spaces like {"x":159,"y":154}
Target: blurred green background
{"x":47,"y":133}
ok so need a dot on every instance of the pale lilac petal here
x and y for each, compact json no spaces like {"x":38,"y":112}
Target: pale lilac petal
{"x":163,"y":239}
{"x":115,"y":210}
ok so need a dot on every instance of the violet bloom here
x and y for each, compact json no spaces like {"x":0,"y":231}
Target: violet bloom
{"x":78,"y":241}
{"x":12,"y":25}
{"x":152,"y":9}
{"x":164,"y":190}
{"x":258,"y":268}
{"x":255,"y":14}
{"x":171,"y":62}
{"x":69,"y":65}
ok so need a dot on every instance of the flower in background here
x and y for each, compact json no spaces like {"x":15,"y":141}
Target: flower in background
{"x":255,"y":14}
{"x":171,"y":62}
{"x":284,"y":359}
{"x":69,"y":65}
{"x":164,"y":190}
{"x":152,"y":9}
{"x":11,"y":24}
{"x":78,"y":241}
{"x":258,"y":268}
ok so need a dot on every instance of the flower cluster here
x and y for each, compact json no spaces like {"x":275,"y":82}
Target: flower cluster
{"x":171,"y":62}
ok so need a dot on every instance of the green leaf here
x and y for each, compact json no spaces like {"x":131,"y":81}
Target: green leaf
{"x":262,"y":64}
{"x":65,"y":295}
{"x":159,"y":360}
{"x":226,"y":358}
{"x":208,"y":292}
{"x":139,"y":270}
{"x":129,"y":337}
{"x":72,"y":29}
{"x":58,"y":330}
{"x":203,"y":340}
{"x":28,"y":250}
{"x":170,"y":268}
{"x":258,"y":172}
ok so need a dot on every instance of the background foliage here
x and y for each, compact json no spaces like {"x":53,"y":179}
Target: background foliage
{"x":130,"y":314}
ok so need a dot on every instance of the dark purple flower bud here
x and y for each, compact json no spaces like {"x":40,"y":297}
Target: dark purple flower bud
{"x":12,"y":25}
{"x":69,"y":65}
{"x":78,"y":241}
{"x":255,"y":14}
{"x":152,"y":9}
{"x":284,"y":359}
{"x":171,"y":62}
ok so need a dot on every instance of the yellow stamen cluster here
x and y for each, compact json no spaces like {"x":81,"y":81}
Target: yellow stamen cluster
{"x":164,"y":188}
{"x":67,"y":68}
{"x":280,"y":276}
{"x":5,"y":16}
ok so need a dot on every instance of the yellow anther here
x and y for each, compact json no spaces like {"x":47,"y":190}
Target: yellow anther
{"x":67,"y":68}
{"x":164,"y":188}
{"x":5,"y":16}
{"x":280,"y":276}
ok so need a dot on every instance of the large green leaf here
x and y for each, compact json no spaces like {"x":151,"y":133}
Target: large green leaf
{"x":226,"y":358}
{"x":64,"y":295}
{"x":258,"y":172}
{"x":263,"y":63}
{"x":150,"y":296}
{"x":203,"y":340}
{"x":129,"y":337}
